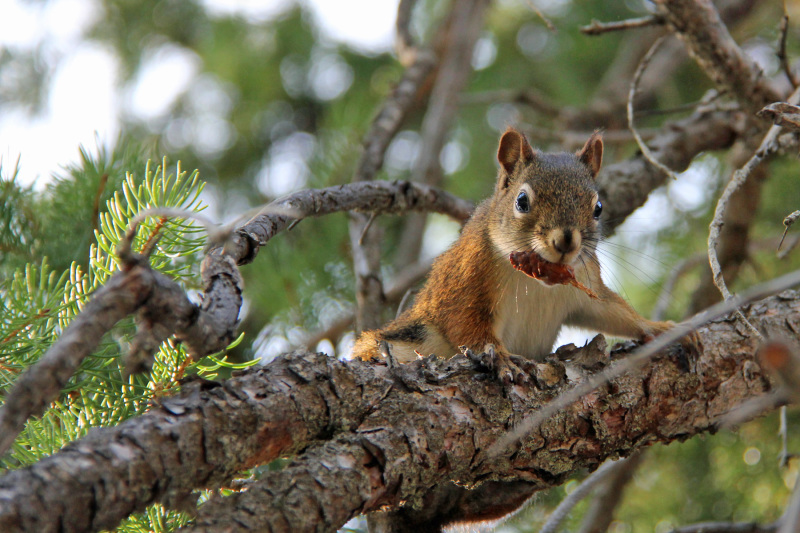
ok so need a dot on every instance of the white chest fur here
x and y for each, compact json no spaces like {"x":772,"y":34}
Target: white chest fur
{"x":529,"y":314}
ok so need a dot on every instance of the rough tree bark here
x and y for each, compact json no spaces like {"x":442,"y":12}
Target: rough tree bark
{"x":377,"y":437}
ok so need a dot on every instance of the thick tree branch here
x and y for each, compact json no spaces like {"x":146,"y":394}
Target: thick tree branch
{"x":698,"y":24}
{"x":627,"y":184}
{"x":372,"y":439}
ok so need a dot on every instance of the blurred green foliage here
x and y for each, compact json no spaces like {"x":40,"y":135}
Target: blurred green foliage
{"x":276,"y":105}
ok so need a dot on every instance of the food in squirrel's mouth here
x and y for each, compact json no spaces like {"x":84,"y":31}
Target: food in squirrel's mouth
{"x":533,"y":265}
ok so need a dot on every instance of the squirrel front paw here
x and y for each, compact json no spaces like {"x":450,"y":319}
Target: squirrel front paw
{"x":500,"y":363}
{"x":691,"y":342}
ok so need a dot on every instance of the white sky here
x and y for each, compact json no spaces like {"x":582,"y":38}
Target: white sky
{"x":85,"y":102}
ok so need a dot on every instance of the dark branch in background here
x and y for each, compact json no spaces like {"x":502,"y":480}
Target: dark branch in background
{"x":609,"y":495}
{"x":529,"y":97}
{"x":782,"y":57}
{"x":395,"y":291}
{"x":597,"y":27}
{"x":365,"y":241}
{"x":628,"y":184}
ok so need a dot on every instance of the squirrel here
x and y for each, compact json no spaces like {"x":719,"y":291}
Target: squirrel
{"x":545,"y":203}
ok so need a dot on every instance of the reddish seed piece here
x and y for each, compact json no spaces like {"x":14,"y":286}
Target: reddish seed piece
{"x":551,"y":273}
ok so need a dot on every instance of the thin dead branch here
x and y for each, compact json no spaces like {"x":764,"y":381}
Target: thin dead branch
{"x":781,"y":53}
{"x":787,"y":222}
{"x":598,"y":28}
{"x":739,"y":177}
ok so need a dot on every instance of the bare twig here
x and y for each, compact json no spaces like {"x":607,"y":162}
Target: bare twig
{"x":404,"y":44}
{"x":641,"y":356}
{"x":787,"y":222}
{"x":550,"y":25}
{"x":597,"y":27}
{"x":631,"y":97}
{"x":781,"y":53}
{"x":560,"y":513}
{"x":529,"y":97}
{"x":738,"y":178}
{"x":727,"y":527}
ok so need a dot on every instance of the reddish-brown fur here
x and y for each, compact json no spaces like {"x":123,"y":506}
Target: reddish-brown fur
{"x":473,"y":294}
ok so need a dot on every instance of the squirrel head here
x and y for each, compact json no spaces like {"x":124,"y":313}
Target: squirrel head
{"x":546,"y":202}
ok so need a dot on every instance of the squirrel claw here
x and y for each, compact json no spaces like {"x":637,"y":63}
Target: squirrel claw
{"x":504,"y":367}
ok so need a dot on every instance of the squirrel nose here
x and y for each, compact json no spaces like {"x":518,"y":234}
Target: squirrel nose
{"x":566,"y":241}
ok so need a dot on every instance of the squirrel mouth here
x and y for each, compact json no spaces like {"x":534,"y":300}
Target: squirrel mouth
{"x":532,"y":264}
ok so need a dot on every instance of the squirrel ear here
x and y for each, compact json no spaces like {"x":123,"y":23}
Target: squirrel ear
{"x":513,"y":146}
{"x":591,"y":154}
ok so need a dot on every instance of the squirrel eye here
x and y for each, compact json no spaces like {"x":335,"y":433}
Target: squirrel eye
{"x":523,"y":204}
{"x":598,"y":208}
